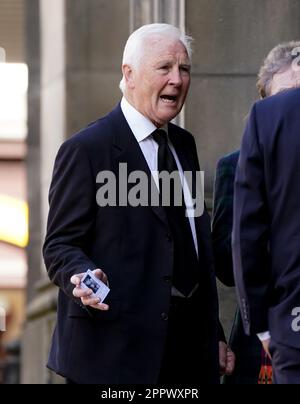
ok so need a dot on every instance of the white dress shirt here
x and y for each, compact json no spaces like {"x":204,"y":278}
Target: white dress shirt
{"x":264,"y":336}
{"x":142,"y":128}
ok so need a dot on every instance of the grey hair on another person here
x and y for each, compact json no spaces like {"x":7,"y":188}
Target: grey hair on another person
{"x":133,"y":51}
{"x":278,"y":60}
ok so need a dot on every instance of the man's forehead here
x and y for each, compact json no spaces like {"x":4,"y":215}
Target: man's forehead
{"x":160,"y":47}
{"x":159,"y":41}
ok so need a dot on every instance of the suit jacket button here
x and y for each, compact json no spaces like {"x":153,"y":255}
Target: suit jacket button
{"x":169,"y":236}
{"x":164,"y":316}
{"x":167,"y":279}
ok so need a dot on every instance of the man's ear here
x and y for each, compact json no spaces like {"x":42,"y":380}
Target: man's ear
{"x":128,"y":74}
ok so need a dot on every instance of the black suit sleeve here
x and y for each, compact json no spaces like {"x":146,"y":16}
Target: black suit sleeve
{"x":71,"y":216}
{"x":251,"y":233}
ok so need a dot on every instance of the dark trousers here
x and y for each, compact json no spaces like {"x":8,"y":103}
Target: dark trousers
{"x":286,"y":364}
{"x":184,"y":357}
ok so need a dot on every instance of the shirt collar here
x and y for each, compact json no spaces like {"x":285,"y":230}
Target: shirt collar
{"x":140,"y":126}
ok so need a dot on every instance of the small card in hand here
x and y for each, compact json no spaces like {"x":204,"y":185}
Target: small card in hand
{"x":90,"y":281}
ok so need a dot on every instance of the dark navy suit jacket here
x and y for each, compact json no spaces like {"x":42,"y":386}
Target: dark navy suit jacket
{"x":223,"y":217}
{"x":133,"y":246}
{"x":266,"y":228}
{"x":246,"y":348}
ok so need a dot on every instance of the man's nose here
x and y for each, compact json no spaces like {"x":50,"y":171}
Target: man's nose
{"x":175,"y":77}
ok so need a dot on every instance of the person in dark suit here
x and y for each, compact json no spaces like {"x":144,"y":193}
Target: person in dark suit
{"x":266,"y":230}
{"x":276,"y":75}
{"x":159,"y":323}
{"x":247,"y":349}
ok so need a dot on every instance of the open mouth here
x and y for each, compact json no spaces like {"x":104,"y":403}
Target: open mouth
{"x":169,"y":99}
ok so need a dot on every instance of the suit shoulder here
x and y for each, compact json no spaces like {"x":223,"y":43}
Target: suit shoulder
{"x":279,"y":103}
{"x":182,"y":132}
{"x":230,"y":159}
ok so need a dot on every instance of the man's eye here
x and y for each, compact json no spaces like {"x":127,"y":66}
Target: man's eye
{"x":185,"y":69}
{"x":165,"y":67}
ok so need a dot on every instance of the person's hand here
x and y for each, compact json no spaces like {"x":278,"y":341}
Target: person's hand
{"x":265,"y":345}
{"x":85,"y":294}
{"x":226,"y":359}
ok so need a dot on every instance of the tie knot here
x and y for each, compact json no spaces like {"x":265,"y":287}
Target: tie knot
{"x":160,"y":136}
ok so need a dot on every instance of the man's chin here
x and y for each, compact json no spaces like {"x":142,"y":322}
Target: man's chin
{"x":167,"y":117}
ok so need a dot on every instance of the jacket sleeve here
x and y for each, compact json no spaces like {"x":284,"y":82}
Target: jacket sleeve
{"x":222,"y":221}
{"x":221,"y":334}
{"x":251,"y":232}
{"x":71,"y":216}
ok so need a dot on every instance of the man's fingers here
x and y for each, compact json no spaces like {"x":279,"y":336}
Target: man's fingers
{"x":230,"y":365}
{"x":85,"y":294}
{"x":101,"y":306}
{"x":101,"y":275}
{"x":229,"y":369}
{"x":226,"y":359}
{"x":79,"y":292}
{"x":95,"y":303}
{"x":76,"y":279}
{"x":90,"y":301}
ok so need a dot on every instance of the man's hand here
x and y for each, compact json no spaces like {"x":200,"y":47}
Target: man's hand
{"x":226,"y":359}
{"x":85,"y":294}
{"x":265,"y":345}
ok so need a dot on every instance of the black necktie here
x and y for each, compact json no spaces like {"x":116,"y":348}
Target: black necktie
{"x":186,"y":266}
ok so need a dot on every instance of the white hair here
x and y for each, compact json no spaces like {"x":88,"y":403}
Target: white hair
{"x":133,"y":50}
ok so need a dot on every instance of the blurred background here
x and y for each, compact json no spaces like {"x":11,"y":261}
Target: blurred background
{"x":59,"y":69}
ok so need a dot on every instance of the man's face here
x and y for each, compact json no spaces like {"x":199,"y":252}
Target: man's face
{"x":160,"y":83}
{"x":285,"y":81}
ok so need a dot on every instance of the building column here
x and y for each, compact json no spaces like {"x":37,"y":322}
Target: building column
{"x":46,"y":124}
{"x":150,"y":11}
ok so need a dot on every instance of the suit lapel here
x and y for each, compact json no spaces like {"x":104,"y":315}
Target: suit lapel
{"x":127,"y":150}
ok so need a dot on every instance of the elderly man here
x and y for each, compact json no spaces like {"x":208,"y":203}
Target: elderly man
{"x":159,"y":322}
